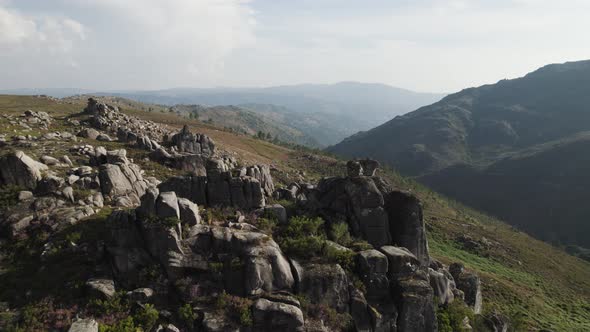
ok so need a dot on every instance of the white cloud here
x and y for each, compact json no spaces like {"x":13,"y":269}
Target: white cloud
{"x":122,"y":44}
{"x":23,"y":33}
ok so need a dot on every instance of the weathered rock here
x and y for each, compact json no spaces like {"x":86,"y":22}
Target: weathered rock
{"x":167,"y":205}
{"x":101,"y":288}
{"x":276,"y":211}
{"x":141,"y":295}
{"x":189,"y":212}
{"x":84,"y":325}
{"x":89,"y":133}
{"x":415,"y":304}
{"x":68,"y":193}
{"x":49,"y":184}
{"x":373,"y":266}
{"x":401,"y":260}
{"x":406,"y":223}
{"x":326,"y":284}
{"x":20,"y":170}
{"x":24,"y":195}
{"x":360,"y":312}
{"x":442,"y":286}
{"x":50,"y":161}
{"x":262,"y":174}
{"x":276,"y":316}
{"x":470,"y":284}
{"x":185,"y":141}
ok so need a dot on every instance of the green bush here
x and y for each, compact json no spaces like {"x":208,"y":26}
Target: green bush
{"x":340,"y":234}
{"x":113,"y":305}
{"x":147,"y":317}
{"x":8,"y":196}
{"x":451,"y":316}
{"x":187,"y":315}
{"x":345,"y":258}
{"x":125,"y":325}
{"x":302,"y":237}
{"x":236,"y":308}
{"x":303,"y":247}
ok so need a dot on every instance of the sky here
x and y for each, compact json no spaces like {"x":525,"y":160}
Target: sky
{"x":422,"y":45}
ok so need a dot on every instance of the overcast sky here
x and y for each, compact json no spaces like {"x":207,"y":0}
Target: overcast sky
{"x":423,"y":45}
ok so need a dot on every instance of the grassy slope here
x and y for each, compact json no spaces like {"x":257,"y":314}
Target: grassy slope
{"x":520,"y":274}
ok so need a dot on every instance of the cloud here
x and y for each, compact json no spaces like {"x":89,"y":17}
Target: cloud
{"x":122,"y":44}
{"x":23,"y":33}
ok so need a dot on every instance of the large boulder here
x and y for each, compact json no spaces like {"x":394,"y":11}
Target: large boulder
{"x":326,"y":284}
{"x":20,"y":170}
{"x":415,"y":304}
{"x":406,"y":223}
{"x":276,"y":316}
{"x":84,"y":325}
{"x":373,"y":266}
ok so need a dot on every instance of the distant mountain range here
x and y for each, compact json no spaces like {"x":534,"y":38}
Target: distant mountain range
{"x":325,"y":112}
{"x":518,"y":149}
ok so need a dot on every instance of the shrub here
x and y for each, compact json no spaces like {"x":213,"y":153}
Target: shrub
{"x":267,"y":225}
{"x":147,"y":317}
{"x":302,"y":237}
{"x":451,"y":316}
{"x":303,"y":247}
{"x":187,"y":315}
{"x":125,"y":325}
{"x":343,"y":257}
{"x":236,"y":308}
{"x":8,"y":196}
{"x":115,"y":304}
{"x":340,"y":234}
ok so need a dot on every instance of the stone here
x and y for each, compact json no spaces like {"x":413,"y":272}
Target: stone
{"x":49,"y":184}
{"x":442,"y":286}
{"x":20,"y":170}
{"x":167,"y":205}
{"x":49,"y":161}
{"x":103,"y":138}
{"x":415,"y":304}
{"x":276,"y":316}
{"x":277,"y":211}
{"x":401,"y":260}
{"x":354,"y":168}
{"x":189,"y":212}
{"x":101,"y":288}
{"x":89,"y":133}
{"x":326,"y":284}
{"x":24,"y":195}
{"x":141,"y":295}
{"x":406,"y":223}
{"x":68,"y":193}
{"x":84,"y":325}
{"x":470,"y":284}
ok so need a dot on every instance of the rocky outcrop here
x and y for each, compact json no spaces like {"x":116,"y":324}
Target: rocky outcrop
{"x":218,"y":188}
{"x":374,"y":211}
{"x":155,"y":225}
{"x":262,"y":174}
{"x":18,"y":169}
{"x":120,"y":180}
{"x":187,"y":142}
